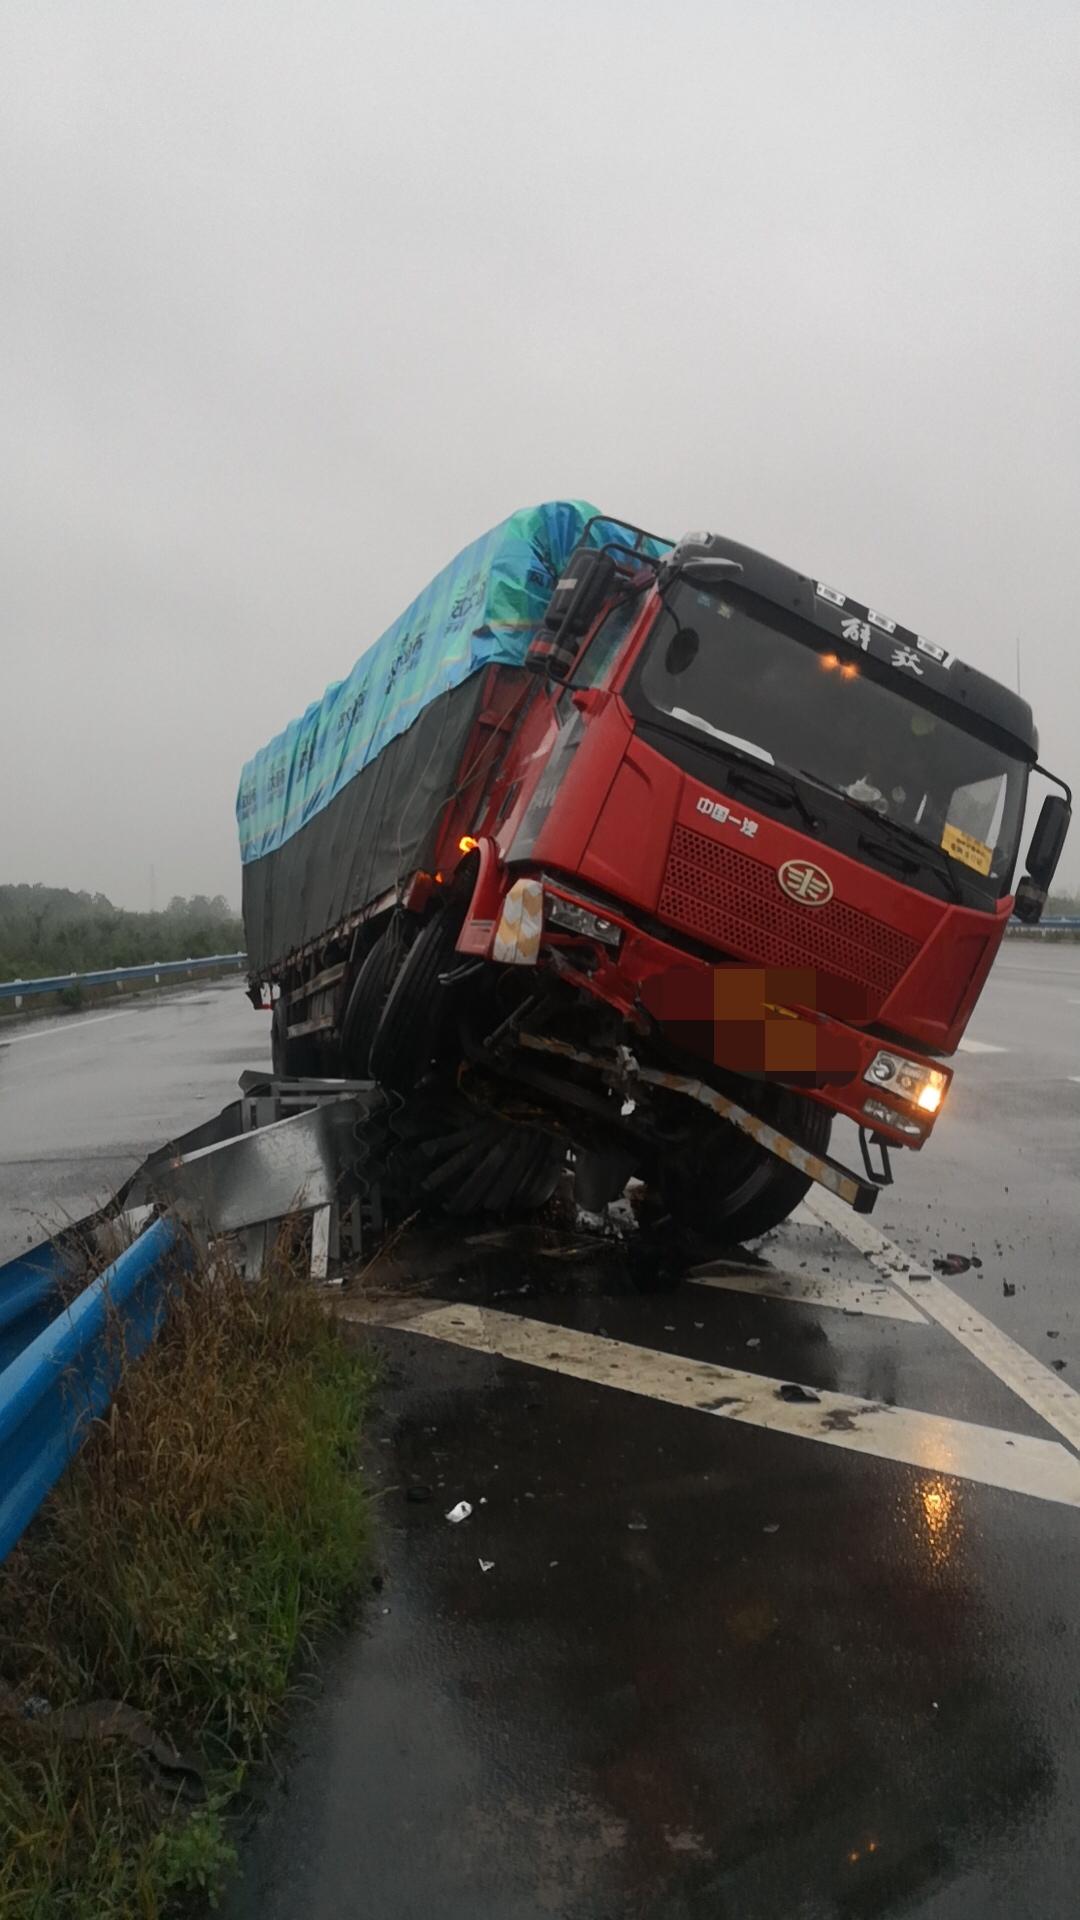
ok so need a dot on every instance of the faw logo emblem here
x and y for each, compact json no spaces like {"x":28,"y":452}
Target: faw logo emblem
{"x":804,"y":882}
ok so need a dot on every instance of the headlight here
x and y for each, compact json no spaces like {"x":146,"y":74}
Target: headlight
{"x":925,"y":1087}
{"x":573,"y":918}
{"x":877,"y":1110}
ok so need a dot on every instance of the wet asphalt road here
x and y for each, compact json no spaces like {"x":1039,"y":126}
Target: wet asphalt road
{"x":84,"y":1098}
{"x":714,"y":1667}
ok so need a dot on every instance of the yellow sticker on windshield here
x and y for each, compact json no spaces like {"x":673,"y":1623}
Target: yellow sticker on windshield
{"x":963,"y":846}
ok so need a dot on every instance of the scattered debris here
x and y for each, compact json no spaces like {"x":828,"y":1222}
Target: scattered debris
{"x":459,"y":1513}
{"x":754,"y":1343}
{"x":1052,"y":1333}
{"x":1008,"y":1289}
{"x":773,"y":1527}
{"x":792,"y":1391}
{"x":636,"y":1524}
{"x":951,"y":1263}
{"x":1059,"y":1365}
{"x":839,"y":1420}
{"x":485,"y":1565}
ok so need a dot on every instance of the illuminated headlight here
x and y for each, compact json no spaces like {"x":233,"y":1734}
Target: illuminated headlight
{"x":888,"y":1116}
{"x":923,"y":1086}
{"x":573,"y":918}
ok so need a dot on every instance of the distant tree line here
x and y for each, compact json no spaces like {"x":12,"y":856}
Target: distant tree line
{"x":1064,"y":903}
{"x":50,"y":930}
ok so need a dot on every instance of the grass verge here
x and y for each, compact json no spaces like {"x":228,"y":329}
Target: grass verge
{"x":213,"y":1525}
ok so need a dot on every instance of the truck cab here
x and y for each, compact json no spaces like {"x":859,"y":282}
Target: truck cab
{"x":770,"y":828}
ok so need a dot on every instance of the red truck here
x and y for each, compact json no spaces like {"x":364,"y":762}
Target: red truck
{"x":722,"y":855}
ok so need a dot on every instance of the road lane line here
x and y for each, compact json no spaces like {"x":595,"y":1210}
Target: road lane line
{"x":1045,"y":1392}
{"x":980,"y":1046}
{"x":80,"y":1026}
{"x":1016,"y":1462}
{"x":848,"y":1296}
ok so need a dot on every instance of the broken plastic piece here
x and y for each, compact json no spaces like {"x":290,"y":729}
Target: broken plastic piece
{"x":485,"y":1565}
{"x":951,"y":1263}
{"x":459,"y":1513}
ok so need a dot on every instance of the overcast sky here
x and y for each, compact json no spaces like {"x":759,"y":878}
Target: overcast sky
{"x":299,"y":299}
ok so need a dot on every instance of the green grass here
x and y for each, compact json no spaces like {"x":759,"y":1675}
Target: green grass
{"x":213,"y":1526}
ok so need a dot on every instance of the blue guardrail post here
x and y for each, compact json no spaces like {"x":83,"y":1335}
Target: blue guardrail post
{"x":64,"y":1378}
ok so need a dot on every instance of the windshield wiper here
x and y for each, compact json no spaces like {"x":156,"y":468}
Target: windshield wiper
{"x":928,"y":855}
{"x":770,"y":784}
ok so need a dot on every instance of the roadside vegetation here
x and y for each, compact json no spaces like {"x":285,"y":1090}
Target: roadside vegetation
{"x":49,"y":930}
{"x":212,"y":1527}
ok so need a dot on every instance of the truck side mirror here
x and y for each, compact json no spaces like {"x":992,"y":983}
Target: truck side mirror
{"x":1048,"y":840}
{"x":1044,"y":853}
{"x":573,"y":607}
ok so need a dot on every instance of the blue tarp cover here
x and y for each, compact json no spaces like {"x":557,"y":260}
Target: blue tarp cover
{"x":484,"y":608}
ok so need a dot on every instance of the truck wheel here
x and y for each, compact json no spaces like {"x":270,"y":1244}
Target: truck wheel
{"x":368,"y":997}
{"x":415,"y":1009}
{"x":291,"y":1059}
{"x":449,"y":1157}
{"x":725,"y":1188}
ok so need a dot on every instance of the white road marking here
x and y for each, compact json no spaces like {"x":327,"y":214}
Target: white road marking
{"x":802,"y":1217}
{"x":1016,"y":1462}
{"x":816,"y":1290}
{"x":79,"y":1026}
{"x":1044,"y":1391}
{"x":980,"y":1046}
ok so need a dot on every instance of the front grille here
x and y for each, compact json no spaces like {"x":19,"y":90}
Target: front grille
{"x":734,"y":902}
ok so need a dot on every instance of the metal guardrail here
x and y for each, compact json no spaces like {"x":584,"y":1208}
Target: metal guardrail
{"x":153,"y":973}
{"x":285,"y":1149}
{"x":1050,"y":923}
{"x":63,"y":1361}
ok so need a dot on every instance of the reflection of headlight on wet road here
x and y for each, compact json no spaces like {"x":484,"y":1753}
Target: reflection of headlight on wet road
{"x":940,"y":1518}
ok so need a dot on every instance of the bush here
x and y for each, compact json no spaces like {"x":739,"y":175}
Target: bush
{"x":214,"y":1524}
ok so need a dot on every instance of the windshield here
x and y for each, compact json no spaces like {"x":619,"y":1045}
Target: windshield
{"x":734,"y":670}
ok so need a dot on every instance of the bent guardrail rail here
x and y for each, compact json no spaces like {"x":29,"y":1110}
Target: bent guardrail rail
{"x":285,"y":1150}
{"x":61,"y":1361}
{"x":151,"y":974}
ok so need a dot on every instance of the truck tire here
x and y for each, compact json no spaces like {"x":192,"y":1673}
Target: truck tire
{"x":451,"y":1157}
{"x":414,"y":1012}
{"x":367,"y":997}
{"x":724,"y":1188}
{"x":291,"y":1059}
